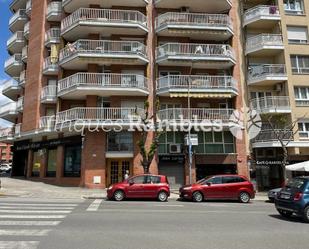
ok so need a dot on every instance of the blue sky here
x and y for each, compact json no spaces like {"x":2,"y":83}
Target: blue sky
{"x":5,"y":14}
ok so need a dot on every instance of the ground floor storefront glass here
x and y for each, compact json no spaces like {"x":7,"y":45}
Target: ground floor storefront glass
{"x":36,"y":163}
{"x":72,"y":161}
{"x":51,"y":163}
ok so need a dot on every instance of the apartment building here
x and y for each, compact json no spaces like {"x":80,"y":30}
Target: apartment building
{"x":276,"y":69}
{"x":5,"y":152}
{"x":95,"y":63}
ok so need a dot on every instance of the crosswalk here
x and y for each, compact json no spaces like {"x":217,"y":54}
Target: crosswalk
{"x":23,"y":224}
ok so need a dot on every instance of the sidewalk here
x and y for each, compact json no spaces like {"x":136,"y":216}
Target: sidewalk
{"x":30,"y":189}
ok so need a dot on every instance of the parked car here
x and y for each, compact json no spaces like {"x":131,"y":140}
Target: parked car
{"x":5,"y":168}
{"x":294,"y":198}
{"x":219,"y":187}
{"x":141,"y":186}
{"x":273,"y":193}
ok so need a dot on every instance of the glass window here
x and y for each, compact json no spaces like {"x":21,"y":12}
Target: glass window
{"x":218,"y":137}
{"x":72,"y":161}
{"x":36,"y":165}
{"x":294,"y":7}
{"x":120,"y":141}
{"x":214,"y":180}
{"x":138,"y":179}
{"x":51,"y":163}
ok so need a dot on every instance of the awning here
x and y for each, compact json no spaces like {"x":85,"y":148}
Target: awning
{"x":304,"y":167}
{"x":201,"y":95}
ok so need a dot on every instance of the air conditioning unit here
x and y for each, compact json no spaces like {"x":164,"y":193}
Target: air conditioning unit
{"x":175,"y":148}
{"x":185,"y":9}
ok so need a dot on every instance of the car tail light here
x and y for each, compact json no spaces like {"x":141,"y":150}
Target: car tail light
{"x":298,"y":196}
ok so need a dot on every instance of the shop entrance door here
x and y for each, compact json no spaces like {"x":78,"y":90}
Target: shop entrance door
{"x":116,"y":169}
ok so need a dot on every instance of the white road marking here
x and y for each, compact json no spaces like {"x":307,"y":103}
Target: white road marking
{"x":36,"y":211}
{"x":94,"y":206}
{"x":28,"y":223}
{"x":34,"y":207}
{"x":167,"y":205}
{"x":24,"y":232}
{"x":19,"y":244}
{"x":39,"y":204}
{"x":17,"y":216}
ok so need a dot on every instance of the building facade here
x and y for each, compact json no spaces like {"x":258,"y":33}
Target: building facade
{"x":5,"y":152}
{"x":82,"y":69}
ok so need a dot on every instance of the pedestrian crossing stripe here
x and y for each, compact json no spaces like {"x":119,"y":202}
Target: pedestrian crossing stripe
{"x":11,"y":216}
{"x":29,"y":223}
{"x":19,"y":244}
{"x":36,"y":211}
{"x":24,"y":232}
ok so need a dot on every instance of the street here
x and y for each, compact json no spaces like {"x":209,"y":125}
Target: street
{"x":28,"y":223}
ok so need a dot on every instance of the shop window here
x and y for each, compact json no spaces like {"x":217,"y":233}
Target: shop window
{"x":51,"y":163}
{"x":72,"y":161}
{"x":121,"y":141}
{"x":36,"y":164}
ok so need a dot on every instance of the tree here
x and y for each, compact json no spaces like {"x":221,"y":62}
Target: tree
{"x":284,"y":131}
{"x":148,"y":121}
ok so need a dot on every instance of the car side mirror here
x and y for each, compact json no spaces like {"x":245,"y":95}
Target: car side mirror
{"x":208,"y":183}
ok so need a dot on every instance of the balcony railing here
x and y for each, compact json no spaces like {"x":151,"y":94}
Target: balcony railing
{"x":54,"y":9}
{"x":185,"y":20}
{"x":27,"y":30}
{"x":101,"y":16}
{"x":20,"y":104}
{"x":19,"y":15}
{"x":17,"y":130}
{"x":16,"y":37}
{"x":22,"y":78}
{"x":272,"y":136}
{"x":52,"y":36}
{"x":261,"y":40}
{"x":50,"y":66}
{"x":271,"y":104}
{"x":196,"y":83}
{"x":104,"y":48}
{"x":28,"y":7}
{"x":200,"y":115}
{"x":13,"y":60}
{"x":99,"y":115}
{"x":195,"y":50}
{"x":7,"y":133}
{"x":47,"y":122}
{"x":12,"y":83}
{"x":49,"y":93}
{"x":10,"y":107}
{"x":266,"y":70}
{"x":261,"y":11}
{"x":24,"y":54}
{"x":104,"y":81}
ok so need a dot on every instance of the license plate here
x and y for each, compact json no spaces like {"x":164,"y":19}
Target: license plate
{"x":285,"y":196}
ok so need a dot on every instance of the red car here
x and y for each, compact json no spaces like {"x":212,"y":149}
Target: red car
{"x":141,"y":186}
{"x":219,"y":187}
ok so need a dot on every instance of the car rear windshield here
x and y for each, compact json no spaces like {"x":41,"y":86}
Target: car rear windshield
{"x":296,"y":183}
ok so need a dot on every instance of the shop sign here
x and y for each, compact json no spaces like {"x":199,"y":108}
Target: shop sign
{"x":178,"y":159}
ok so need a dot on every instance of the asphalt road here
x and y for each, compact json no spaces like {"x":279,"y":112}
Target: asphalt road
{"x":100,"y":224}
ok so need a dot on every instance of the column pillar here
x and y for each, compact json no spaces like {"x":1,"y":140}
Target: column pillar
{"x":29,"y":163}
{"x":60,"y":163}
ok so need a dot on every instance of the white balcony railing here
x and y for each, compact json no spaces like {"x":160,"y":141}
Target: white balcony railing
{"x":198,"y":83}
{"x":16,"y":37}
{"x":22,"y":78}
{"x":195,"y":50}
{"x":95,"y":47}
{"x":49,"y":93}
{"x":52,"y":35}
{"x":261,"y":40}
{"x":24,"y":53}
{"x":123,"y":115}
{"x":104,"y":81}
{"x":13,"y":60}
{"x":261,"y":11}
{"x":20,"y":14}
{"x":28,"y":7}
{"x":54,"y":8}
{"x":20,"y":104}
{"x":7,"y":133}
{"x":9,"y":84}
{"x":50,"y":65}
{"x":47,"y":122}
{"x":27,"y":29}
{"x":266,"y":70}
{"x":108,"y":16}
{"x":213,"y":21}
{"x":179,"y":115}
{"x":271,"y":104}
{"x":17,"y":130}
{"x":272,"y":136}
{"x":10,"y":107}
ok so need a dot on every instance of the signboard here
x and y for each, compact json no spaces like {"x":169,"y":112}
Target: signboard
{"x":193,"y":138}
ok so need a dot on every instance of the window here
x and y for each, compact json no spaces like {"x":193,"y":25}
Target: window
{"x":152,"y":179}
{"x":138,"y":180}
{"x":301,"y":96}
{"x":303,"y":128}
{"x":297,"y":34}
{"x":72,"y":161}
{"x":300,"y":64}
{"x":294,"y":7}
{"x":51,"y":163}
{"x":120,"y":141}
{"x":214,"y":180}
{"x":36,"y":163}
{"x":232,"y":179}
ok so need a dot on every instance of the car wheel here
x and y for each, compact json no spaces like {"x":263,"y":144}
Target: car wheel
{"x":306,"y":214}
{"x":118,"y":195}
{"x":244,"y":197}
{"x":285,"y":214}
{"x":197,"y":196}
{"x":162,"y":196}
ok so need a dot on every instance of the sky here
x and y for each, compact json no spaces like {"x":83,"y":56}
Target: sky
{"x":5,"y":14}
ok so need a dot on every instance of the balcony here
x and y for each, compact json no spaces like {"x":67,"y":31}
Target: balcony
{"x":271,"y":104}
{"x":214,"y":27}
{"x":22,"y":78}
{"x":18,"y":21}
{"x":52,"y":36}
{"x":27,"y":30}
{"x":16,"y":42}
{"x":47,"y":123}
{"x":49,"y":94}
{"x":269,"y":138}
{"x":72,"y":5}
{"x":209,"y":6}
{"x":79,"y":85}
{"x":105,"y":22}
{"x":50,"y":66}
{"x":11,"y":89}
{"x":17,"y":4}
{"x":98,"y":117}
{"x":262,"y":16}
{"x":13,"y":65}
{"x":28,"y":7}
{"x":20,"y":104}
{"x":211,"y":56}
{"x":78,"y":55}
{"x":24,"y":54}
{"x":7,"y":135}
{"x":197,"y":86}
{"x":264,"y":45}
{"x":267,"y":74}
{"x":54,"y":12}
{"x":9,"y":111}
{"x":194,"y":116}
